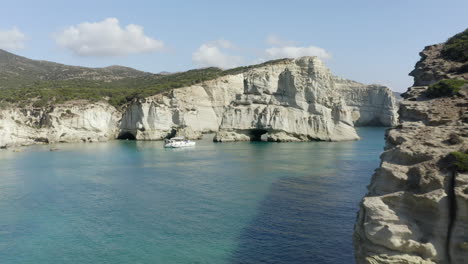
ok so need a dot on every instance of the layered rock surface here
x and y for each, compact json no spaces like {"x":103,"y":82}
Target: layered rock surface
{"x":433,"y":66}
{"x":416,"y":210}
{"x":71,"y":122}
{"x":370,"y":104}
{"x":291,"y":100}
{"x":189,"y":111}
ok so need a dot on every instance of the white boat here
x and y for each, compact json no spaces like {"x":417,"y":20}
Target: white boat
{"x":178,"y":142}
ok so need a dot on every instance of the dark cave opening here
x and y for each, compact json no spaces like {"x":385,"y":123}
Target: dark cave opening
{"x":256,"y":134}
{"x":126,"y":136}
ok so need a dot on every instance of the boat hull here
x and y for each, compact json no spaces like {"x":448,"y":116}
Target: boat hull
{"x":179,"y":144}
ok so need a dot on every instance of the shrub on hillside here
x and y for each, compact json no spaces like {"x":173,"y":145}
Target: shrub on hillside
{"x":460,"y":161}
{"x":40,"y":103}
{"x":456,"y":47}
{"x":447,"y":87}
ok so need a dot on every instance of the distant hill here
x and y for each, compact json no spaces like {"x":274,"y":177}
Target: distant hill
{"x":165,"y":73}
{"x":16,"y":71}
{"x":25,"y":82}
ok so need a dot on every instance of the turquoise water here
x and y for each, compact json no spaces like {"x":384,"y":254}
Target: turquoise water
{"x":136,"y":202}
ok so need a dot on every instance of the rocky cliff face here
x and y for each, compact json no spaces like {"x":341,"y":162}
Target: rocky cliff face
{"x":416,"y":210}
{"x":190,"y":110}
{"x":71,"y":122}
{"x":291,"y":100}
{"x":370,"y":104}
{"x":287,"y":100}
{"x":433,"y":67}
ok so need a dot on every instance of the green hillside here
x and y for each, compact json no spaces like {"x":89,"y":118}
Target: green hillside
{"x":117,"y":92}
{"x":26,"y":82}
{"x":456,"y":47}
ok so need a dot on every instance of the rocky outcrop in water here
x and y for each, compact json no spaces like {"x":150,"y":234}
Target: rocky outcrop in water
{"x":291,"y":100}
{"x":416,"y":210}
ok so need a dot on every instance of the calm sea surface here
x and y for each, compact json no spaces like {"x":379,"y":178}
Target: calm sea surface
{"x":136,"y":202}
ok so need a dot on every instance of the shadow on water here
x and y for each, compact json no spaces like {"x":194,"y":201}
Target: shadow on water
{"x":310,"y":219}
{"x":298,"y":223}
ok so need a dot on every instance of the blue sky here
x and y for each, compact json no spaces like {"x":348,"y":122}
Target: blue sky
{"x":373,"y":41}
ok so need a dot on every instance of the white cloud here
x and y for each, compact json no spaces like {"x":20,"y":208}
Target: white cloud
{"x":225,"y":44}
{"x":288,"y":49}
{"x":224,"y":54}
{"x":107,"y":38}
{"x":275,"y":40}
{"x":295,"y":51}
{"x":12,"y":39}
{"x":216,"y":53}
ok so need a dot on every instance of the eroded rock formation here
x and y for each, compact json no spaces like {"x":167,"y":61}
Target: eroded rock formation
{"x":72,"y":122}
{"x":287,"y":100}
{"x":416,"y":210}
{"x":291,"y":100}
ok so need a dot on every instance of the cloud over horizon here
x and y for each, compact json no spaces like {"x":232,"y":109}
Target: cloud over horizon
{"x":295,"y":51}
{"x":106,"y":38}
{"x":217,"y":54}
{"x":275,"y":40}
{"x":224,"y":54}
{"x":12,"y":39}
{"x":288,"y":49}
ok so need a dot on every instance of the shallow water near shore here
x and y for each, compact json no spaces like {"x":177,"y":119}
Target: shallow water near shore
{"x":136,"y":202}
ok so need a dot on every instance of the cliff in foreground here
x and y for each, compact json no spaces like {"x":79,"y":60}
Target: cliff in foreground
{"x":416,"y":210}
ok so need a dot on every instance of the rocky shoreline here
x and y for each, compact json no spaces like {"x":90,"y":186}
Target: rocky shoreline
{"x":291,"y":100}
{"x":416,"y":210}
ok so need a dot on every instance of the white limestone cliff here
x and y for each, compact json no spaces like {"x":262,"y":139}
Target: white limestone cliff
{"x":189,"y":110}
{"x":370,"y":104}
{"x":71,"y":122}
{"x":286,"y":100}
{"x":289,"y":100}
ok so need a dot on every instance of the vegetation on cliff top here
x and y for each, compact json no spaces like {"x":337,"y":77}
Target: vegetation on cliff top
{"x":456,"y":47}
{"x":117,"y":92}
{"x":446,"y":87}
{"x":55,"y":90}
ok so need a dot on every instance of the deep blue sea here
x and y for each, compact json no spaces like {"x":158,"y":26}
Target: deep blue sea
{"x":135,"y":202}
